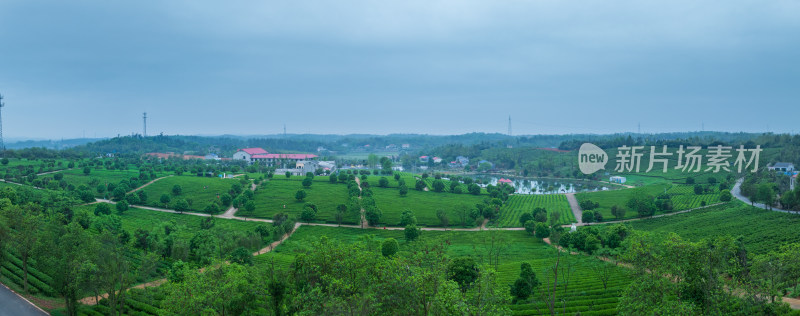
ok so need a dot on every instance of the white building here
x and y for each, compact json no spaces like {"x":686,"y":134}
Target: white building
{"x":782,"y":166}
{"x":248,"y":153}
{"x":617,"y":179}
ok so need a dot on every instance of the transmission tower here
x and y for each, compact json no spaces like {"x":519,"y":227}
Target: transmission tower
{"x":2,"y":144}
{"x":144,"y":118}
{"x":509,"y":125}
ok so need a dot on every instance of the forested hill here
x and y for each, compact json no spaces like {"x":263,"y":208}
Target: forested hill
{"x":443,"y":145}
{"x":227,"y":145}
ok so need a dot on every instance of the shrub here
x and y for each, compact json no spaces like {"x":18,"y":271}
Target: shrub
{"x":389,"y":247}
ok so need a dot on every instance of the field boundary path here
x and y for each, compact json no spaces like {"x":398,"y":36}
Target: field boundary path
{"x":364,"y":223}
{"x":737,"y":192}
{"x":576,"y":208}
{"x":148,"y":183}
{"x":54,"y":171}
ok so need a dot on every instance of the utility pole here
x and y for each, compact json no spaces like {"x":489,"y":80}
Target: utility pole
{"x":2,"y":144}
{"x":509,"y":125}
{"x":144,"y":118}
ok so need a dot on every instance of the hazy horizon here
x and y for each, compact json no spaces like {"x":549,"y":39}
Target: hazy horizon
{"x":90,"y":69}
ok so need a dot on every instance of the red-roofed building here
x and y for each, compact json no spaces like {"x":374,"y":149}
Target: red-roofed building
{"x":248,"y":153}
{"x":258,"y":154}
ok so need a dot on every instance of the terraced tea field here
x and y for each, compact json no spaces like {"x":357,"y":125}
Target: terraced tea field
{"x":519,"y":204}
{"x":684,"y":198}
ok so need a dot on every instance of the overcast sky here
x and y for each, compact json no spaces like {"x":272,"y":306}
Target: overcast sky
{"x":437,"y":67}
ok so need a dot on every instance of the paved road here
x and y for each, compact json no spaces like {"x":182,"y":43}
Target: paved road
{"x":13,"y":305}
{"x":737,"y":193}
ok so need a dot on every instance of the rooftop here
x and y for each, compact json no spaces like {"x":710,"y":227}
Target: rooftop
{"x":254,"y":151}
{"x":284,"y":156}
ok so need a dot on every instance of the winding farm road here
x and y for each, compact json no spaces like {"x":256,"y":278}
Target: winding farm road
{"x":737,"y":193}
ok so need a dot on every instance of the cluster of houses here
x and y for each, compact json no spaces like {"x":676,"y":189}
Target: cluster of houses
{"x":460,"y":161}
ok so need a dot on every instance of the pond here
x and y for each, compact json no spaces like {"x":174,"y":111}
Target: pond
{"x":543,"y":185}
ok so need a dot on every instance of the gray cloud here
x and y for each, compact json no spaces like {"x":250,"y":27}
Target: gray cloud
{"x":411,"y":66}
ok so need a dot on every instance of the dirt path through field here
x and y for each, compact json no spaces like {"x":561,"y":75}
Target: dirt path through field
{"x":54,"y":171}
{"x":148,"y":183}
{"x":576,"y":208}
{"x":364,"y":223}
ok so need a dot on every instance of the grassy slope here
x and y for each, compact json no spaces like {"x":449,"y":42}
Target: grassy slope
{"x":607,"y":199}
{"x":102,"y":176}
{"x":272,"y":195}
{"x":188,"y":225}
{"x":202,"y":191}
{"x":423,"y":204}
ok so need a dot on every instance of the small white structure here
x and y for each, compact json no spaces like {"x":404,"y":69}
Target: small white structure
{"x":617,"y":179}
{"x":572,"y":228}
{"x":782,"y":166}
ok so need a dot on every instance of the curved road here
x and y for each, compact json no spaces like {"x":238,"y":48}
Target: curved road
{"x":12,"y":304}
{"x":737,"y":193}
